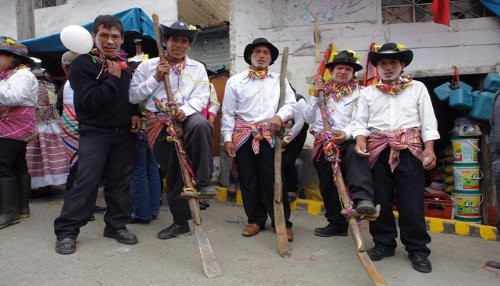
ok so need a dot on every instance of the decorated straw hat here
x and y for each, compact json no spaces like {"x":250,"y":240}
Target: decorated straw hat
{"x":260,"y":41}
{"x":391,"y":51}
{"x":346,"y":57}
{"x":179,"y":28}
{"x":11,"y":46}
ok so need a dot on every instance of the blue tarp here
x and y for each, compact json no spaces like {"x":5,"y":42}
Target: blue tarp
{"x":133,"y":20}
{"x":492,"y":5}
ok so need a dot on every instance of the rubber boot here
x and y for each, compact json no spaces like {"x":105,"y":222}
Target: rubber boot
{"x":9,"y":202}
{"x":24,"y":187}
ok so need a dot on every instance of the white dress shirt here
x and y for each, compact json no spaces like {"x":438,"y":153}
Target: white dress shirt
{"x":19,"y":89}
{"x":298,"y":118}
{"x":340,"y":113}
{"x":254,"y":101}
{"x":412,"y":107}
{"x":190,"y":88}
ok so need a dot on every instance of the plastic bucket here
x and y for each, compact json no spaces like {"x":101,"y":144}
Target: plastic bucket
{"x":467,"y":207}
{"x":465,"y":150}
{"x":466,"y":177}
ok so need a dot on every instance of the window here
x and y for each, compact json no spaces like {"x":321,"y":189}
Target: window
{"x":48,"y":3}
{"x":414,"y":11}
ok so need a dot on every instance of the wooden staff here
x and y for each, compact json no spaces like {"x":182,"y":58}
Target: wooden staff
{"x":365,"y":260}
{"x":210,"y":264}
{"x":279,"y":215}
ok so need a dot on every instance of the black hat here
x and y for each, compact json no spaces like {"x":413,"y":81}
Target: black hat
{"x":391,"y":51}
{"x":179,"y":28}
{"x":346,"y":57}
{"x":260,"y":41}
{"x":11,"y":46}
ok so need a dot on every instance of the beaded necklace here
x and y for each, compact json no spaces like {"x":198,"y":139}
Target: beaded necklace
{"x":7,"y":73}
{"x":396,"y":86}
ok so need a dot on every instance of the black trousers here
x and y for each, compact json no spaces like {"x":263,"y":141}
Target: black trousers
{"x":106,"y":154}
{"x":197,"y":143}
{"x":406,"y":185}
{"x":291,"y":154}
{"x":356,"y":173}
{"x":256,"y":177}
{"x":12,"y":158}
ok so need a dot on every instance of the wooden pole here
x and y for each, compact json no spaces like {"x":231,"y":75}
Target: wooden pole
{"x":25,"y":19}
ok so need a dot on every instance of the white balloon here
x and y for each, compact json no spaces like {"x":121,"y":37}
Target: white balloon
{"x":77,"y":39}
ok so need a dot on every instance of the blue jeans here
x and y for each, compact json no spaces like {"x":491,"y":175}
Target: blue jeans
{"x":496,"y":174}
{"x":146,"y":185}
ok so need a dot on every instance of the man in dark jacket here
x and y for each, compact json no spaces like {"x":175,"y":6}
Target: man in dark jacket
{"x":107,"y":123}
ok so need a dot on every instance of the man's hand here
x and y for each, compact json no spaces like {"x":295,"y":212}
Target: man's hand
{"x":275,"y":124}
{"x":114,"y":68}
{"x":339,"y":137}
{"x":211,"y":119}
{"x":229,"y":149}
{"x":135,"y":124}
{"x":360,"y":147}
{"x":179,"y":114}
{"x":162,"y":69}
{"x":318,"y":86}
{"x":428,"y":159}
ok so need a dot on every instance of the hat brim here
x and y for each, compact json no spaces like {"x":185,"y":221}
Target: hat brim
{"x":167,"y":32}
{"x":249,"y":49}
{"x":20,"y":55}
{"x":406,"y":56}
{"x":357,"y":67}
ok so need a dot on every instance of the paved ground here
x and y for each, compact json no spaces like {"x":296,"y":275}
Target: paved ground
{"x":27,"y":255}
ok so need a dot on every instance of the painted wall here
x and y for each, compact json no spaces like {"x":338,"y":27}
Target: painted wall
{"x":52,"y":20}
{"x":471,"y":44}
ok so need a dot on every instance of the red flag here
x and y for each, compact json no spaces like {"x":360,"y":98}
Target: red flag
{"x":371,"y":74}
{"x":441,"y":11}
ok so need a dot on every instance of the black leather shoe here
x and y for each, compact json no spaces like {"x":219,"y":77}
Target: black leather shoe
{"x":331,"y":230}
{"x":98,"y":209}
{"x":173,"y":230}
{"x":365,"y":207}
{"x":121,"y":235}
{"x":208,"y":191}
{"x":377,"y":253}
{"x":66,"y":245}
{"x":136,"y":220}
{"x":420,"y":263}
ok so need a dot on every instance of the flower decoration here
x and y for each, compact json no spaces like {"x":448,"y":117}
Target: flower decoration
{"x":10,"y":41}
{"x":191,"y":27}
{"x":400,"y":47}
{"x":355,"y":55}
{"x":376,"y":47}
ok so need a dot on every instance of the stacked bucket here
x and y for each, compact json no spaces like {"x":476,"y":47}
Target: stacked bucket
{"x":466,"y":172}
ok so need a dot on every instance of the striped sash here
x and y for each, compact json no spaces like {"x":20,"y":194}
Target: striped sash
{"x":18,"y":123}
{"x":398,"y":140}
{"x":243,"y":131}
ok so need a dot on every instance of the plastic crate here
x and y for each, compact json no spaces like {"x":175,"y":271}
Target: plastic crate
{"x":437,"y":205}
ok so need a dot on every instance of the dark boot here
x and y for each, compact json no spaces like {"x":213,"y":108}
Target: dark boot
{"x":24,"y":187}
{"x":9,"y":202}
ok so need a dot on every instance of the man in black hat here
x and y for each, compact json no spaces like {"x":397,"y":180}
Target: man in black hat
{"x":190,"y":87}
{"x":107,"y":124}
{"x":250,"y":120}
{"x":341,"y":94}
{"x":18,"y":100}
{"x":394,"y":117}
